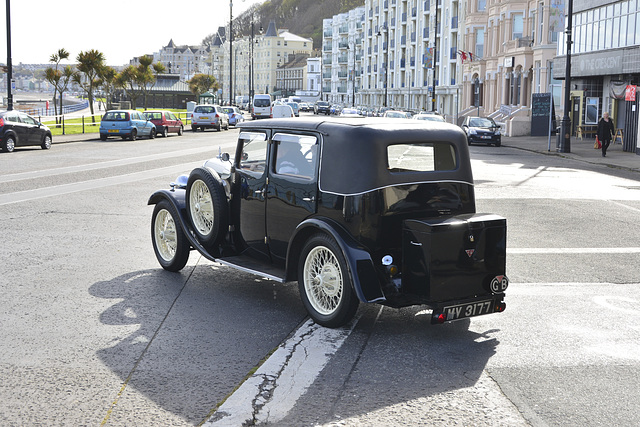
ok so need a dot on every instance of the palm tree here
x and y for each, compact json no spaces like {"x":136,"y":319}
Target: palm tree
{"x":200,"y":83}
{"x":108,"y":82}
{"x":147,"y":73}
{"x":89,"y":63}
{"x":53,"y":76}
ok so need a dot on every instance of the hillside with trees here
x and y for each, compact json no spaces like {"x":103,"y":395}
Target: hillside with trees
{"x":301,"y":17}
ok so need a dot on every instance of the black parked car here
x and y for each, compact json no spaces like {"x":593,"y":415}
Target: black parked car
{"x":397,"y":226}
{"x":482,"y":130}
{"x":322,"y":107}
{"x":19,"y":129}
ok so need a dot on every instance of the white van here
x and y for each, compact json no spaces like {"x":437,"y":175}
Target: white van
{"x":281,"y":110}
{"x":261,"y":106}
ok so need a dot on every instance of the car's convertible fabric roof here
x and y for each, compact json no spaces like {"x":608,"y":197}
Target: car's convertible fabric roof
{"x":354,"y":150}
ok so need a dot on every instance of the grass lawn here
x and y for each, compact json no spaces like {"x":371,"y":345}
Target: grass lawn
{"x":76,"y":126}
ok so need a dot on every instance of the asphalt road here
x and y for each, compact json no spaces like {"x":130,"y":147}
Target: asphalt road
{"x":94,"y":332}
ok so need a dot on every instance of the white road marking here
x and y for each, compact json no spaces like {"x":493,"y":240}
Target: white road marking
{"x":272,"y":391}
{"x":526,"y":251}
{"x":105,"y":164}
{"x":39,"y":193}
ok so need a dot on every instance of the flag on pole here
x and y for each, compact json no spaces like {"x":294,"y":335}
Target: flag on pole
{"x":463,"y":55}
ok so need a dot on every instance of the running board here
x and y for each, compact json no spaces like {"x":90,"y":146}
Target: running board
{"x":250,"y":265}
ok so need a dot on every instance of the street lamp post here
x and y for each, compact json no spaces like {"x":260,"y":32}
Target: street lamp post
{"x":386,"y":62}
{"x":564,"y":137}
{"x":230,"y":52}
{"x":353,"y":77}
{"x":9,"y":66}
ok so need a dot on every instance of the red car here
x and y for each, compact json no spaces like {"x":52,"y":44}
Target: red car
{"x":165,"y":122}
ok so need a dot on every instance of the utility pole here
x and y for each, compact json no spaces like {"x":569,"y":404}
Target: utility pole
{"x":9,"y":66}
{"x":230,"y":52}
{"x":564,"y":138}
{"x":435,"y":60}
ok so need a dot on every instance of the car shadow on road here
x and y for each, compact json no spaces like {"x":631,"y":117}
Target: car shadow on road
{"x":396,"y":369}
{"x":181,"y":342}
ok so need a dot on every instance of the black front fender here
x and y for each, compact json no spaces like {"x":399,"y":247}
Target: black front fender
{"x":177,"y":198}
{"x":359,"y":263}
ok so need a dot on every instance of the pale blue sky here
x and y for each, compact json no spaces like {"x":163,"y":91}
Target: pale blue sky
{"x":121,"y":29}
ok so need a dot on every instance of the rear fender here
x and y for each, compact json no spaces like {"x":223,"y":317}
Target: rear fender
{"x":360,"y":266}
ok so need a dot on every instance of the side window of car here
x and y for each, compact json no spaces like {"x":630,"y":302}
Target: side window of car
{"x":295,"y":155}
{"x":28,"y":120}
{"x":254,"y":152}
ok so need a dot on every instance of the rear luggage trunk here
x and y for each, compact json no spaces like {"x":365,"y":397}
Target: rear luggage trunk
{"x":454,"y":258}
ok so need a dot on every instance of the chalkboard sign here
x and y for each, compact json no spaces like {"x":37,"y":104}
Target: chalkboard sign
{"x":541,"y":107}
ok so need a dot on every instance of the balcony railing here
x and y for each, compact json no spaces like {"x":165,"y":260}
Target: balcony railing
{"x":342,"y":89}
{"x":328,"y":34}
{"x":343,"y":59}
{"x":343,"y":29}
{"x":343,"y":45}
{"x":326,"y":48}
{"x":342,"y":74}
{"x":326,"y":75}
{"x":525,"y":42}
{"x":327,"y":61}
{"x":326,"y":89}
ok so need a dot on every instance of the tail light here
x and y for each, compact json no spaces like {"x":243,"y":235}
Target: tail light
{"x":1,"y":122}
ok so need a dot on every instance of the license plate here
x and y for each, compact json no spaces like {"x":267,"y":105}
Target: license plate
{"x":204,"y":118}
{"x":113,"y":131}
{"x":485,"y":137}
{"x":471,"y":309}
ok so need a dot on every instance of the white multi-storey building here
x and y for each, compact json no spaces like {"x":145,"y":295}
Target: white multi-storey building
{"x":314,"y":76}
{"x":342,"y":53}
{"x":186,"y":61}
{"x":417,"y":41}
{"x":270,"y":51}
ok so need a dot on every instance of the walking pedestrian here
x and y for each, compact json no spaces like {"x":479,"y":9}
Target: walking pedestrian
{"x":605,"y":132}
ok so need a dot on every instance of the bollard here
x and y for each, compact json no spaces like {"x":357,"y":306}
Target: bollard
{"x":83,"y":124}
{"x":62,"y":125}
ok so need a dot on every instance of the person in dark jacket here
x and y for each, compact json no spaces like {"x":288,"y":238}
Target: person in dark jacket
{"x":605,"y":132}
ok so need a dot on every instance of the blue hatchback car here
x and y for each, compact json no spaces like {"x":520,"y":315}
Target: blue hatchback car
{"x":126,"y":124}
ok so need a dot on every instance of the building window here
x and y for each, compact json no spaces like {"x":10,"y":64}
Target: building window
{"x":518,"y":26}
{"x":482,"y":5}
{"x":479,"y":43}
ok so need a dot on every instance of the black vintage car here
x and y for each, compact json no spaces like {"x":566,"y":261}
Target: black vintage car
{"x":356,"y":210}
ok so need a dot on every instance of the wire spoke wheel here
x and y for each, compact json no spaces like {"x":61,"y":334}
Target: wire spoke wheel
{"x":201,"y":207}
{"x":323,"y":280}
{"x":169,"y":242}
{"x":165,"y":235}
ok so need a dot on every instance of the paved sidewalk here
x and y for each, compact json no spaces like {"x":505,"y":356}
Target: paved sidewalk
{"x":581,"y":150}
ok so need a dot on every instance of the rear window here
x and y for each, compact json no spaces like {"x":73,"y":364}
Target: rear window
{"x":115,"y":116}
{"x":261,"y":102}
{"x":204,"y":109}
{"x":154,"y":116}
{"x":421,"y":157}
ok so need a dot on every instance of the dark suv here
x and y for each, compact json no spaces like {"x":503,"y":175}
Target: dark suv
{"x":19,"y":129}
{"x":322,"y":107}
{"x":397,"y":227}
